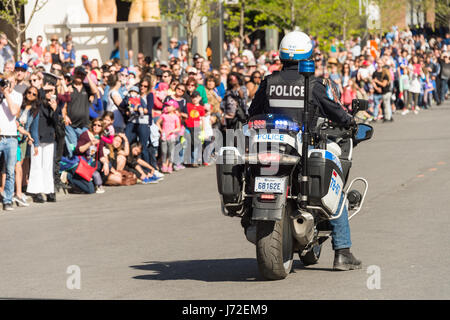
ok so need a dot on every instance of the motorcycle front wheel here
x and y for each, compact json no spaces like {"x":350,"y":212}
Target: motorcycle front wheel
{"x":274,"y":247}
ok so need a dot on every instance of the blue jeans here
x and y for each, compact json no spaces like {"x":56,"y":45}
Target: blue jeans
{"x":8,"y":146}
{"x":72,"y":135}
{"x":340,"y":235}
{"x":80,"y":183}
{"x":152,"y":153}
{"x":444,"y":89}
{"x":142,"y":131}
{"x":193,"y":147}
{"x":377,"y":98}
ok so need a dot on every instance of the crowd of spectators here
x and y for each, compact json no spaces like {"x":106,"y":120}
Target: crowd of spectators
{"x":402,"y":72}
{"x":81,"y":127}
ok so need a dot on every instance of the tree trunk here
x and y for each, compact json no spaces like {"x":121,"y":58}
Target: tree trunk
{"x":190,"y":37}
{"x":18,"y":40}
{"x":292,"y":15}
{"x":344,"y":27}
{"x":241,"y":25}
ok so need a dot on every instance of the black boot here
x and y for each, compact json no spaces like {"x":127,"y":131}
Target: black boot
{"x":38,"y":198}
{"x":51,"y":197}
{"x":344,"y":260}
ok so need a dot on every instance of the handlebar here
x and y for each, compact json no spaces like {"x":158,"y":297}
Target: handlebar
{"x":336,"y":130}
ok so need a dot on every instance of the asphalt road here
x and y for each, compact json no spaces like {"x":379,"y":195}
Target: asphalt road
{"x":170,"y":241}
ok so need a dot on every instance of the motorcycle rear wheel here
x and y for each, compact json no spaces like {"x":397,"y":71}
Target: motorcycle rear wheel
{"x":274,"y":247}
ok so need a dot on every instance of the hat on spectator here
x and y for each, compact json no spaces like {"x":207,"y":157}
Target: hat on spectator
{"x":365,"y":63}
{"x":240,"y":65}
{"x":123,"y":70}
{"x":332,"y":61}
{"x":163,"y":63}
{"x":172,"y":103}
{"x":193,"y":70}
{"x":132,"y":72}
{"x":134,"y":88}
{"x":196,"y":56}
{"x":21,"y":65}
{"x":163,"y":86}
{"x":49,"y":79}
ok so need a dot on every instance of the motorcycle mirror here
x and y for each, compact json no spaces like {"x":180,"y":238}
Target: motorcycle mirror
{"x":364,"y":132}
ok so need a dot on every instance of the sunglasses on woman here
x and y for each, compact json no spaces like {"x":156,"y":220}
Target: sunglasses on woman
{"x":34,"y":94}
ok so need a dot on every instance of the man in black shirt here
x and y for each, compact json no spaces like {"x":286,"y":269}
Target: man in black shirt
{"x":76,"y":111}
{"x":381,"y":83}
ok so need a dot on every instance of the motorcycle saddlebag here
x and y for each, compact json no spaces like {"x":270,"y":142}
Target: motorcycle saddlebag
{"x":327,"y":180}
{"x":229,"y":172}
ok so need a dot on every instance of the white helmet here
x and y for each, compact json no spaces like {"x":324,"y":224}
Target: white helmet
{"x":296,"y":46}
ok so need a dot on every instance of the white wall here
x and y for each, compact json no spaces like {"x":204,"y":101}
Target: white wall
{"x":94,"y":42}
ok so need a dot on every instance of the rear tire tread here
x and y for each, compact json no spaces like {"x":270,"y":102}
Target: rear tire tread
{"x":269,"y":249}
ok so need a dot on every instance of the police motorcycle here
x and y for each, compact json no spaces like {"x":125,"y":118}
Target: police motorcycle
{"x":289,"y":183}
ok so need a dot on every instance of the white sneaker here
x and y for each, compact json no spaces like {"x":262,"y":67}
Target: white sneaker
{"x":405,"y":112}
{"x":21,"y":201}
{"x":416,"y":111}
{"x":158,"y":174}
{"x":100,"y":190}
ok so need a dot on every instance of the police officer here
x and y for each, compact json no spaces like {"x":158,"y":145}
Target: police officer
{"x":283,"y":93}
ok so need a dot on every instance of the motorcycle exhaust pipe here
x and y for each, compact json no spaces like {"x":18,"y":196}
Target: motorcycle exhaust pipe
{"x":303,"y":228}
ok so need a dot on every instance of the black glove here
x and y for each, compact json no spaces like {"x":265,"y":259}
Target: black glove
{"x":351,"y":125}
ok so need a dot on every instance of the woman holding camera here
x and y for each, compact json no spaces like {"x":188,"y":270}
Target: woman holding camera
{"x":43,"y":134}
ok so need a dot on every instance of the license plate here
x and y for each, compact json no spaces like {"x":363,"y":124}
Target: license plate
{"x":269,"y":185}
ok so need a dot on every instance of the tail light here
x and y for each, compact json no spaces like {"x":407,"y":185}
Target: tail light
{"x":257,"y":124}
{"x":269,"y":157}
{"x":267,"y":196}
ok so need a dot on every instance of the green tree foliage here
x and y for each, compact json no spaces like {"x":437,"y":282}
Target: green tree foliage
{"x":252,"y":20}
{"x":286,"y":14}
{"x":443,"y":12}
{"x":11,"y":13}
{"x":190,"y":14}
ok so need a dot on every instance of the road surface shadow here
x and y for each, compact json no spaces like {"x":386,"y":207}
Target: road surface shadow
{"x":219,"y":270}
{"x":298,"y":266}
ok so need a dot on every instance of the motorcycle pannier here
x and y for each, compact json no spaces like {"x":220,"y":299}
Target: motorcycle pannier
{"x":229,"y":175}
{"x":325,"y":172}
